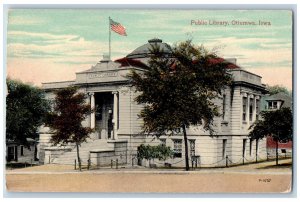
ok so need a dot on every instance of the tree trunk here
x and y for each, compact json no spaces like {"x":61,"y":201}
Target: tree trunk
{"x":256,"y":148}
{"x":78,"y":158}
{"x":276,"y":152}
{"x":187,"y":166}
{"x":35,"y":153}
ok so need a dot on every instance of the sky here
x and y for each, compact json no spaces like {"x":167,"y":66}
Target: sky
{"x":46,"y":45}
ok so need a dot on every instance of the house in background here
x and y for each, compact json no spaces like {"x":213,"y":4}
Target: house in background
{"x":17,"y":153}
{"x":118,"y":126}
{"x":275,"y":102}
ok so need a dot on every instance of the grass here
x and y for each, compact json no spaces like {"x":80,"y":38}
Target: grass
{"x":19,"y":165}
{"x":282,"y":165}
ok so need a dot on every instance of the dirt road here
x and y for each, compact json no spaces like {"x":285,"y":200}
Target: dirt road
{"x":245,"y":179}
{"x":143,"y":182}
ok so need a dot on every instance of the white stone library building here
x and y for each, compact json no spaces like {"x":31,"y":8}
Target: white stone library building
{"x":117,"y":126}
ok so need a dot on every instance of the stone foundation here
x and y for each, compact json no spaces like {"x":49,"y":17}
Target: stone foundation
{"x":105,"y":157}
{"x":53,"y":152}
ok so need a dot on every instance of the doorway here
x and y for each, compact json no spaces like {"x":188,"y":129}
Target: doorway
{"x":12,"y":153}
{"x":104,"y":114}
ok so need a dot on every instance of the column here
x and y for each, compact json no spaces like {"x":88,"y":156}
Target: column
{"x":115,"y":115}
{"x":93,"y":108}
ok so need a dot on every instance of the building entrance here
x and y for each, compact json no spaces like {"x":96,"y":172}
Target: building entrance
{"x":104,"y":115}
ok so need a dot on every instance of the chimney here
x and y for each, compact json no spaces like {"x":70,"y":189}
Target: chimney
{"x":105,"y":58}
{"x":231,"y":60}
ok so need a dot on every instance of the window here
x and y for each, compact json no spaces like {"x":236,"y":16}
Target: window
{"x":244,"y":147}
{"x":251,"y":109}
{"x":192,"y":148}
{"x":177,"y":148}
{"x":22,"y":150}
{"x":224,"y":148}
{"x":163,"y":141}
{"x":244,"y":108}
{"x":10,"y":153}
{"x":224,"y":106}
{"x":257,"y":107}
{"x":273,"y":105}
{"x":250,"y":147}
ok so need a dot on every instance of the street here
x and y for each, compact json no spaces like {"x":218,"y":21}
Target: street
{"x":254,"y":178}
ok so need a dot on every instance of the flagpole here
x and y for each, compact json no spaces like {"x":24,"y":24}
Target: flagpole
{"x":109,"y":38}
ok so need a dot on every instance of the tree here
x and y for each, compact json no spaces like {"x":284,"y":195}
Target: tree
{"x":178,"y":91}
{"x":277,"y":89}
{"x":66,"y":118}
{"x":26,"y":109}
{"x":278,"y":124}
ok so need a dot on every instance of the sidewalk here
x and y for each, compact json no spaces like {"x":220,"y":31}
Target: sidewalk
{"x":263,"y":167}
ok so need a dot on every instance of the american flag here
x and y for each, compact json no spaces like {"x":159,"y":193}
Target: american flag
{"x":117,"y":27}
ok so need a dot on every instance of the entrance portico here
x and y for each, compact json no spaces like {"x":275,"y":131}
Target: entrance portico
{"x":104,"y":118}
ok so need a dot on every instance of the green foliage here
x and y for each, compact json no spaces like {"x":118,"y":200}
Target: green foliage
{"x":178,"y":91}
{"x":161,"y":152}
{"x":277,"y":89}
{"x":66,"y":118}
{"x":26,"y":108}
{"x":278,"y":124}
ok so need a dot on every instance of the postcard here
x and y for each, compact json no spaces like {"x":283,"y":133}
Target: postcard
{"x":149,"y":100}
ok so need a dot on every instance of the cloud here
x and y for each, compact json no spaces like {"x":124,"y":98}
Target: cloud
{"x":42,"y":36}
{"x":71,"y":49}
{"x":250,"y":52}
{"x":24,"y":20}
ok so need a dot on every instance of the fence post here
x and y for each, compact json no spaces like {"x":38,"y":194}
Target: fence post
{"x":199,"y":161}
{"x":88,"y":162}
{"x":256,"y":158}
{"x":25,"y":164}
{"x":226,"y":160}
{"x":75,"y":164}
{"x":267,"y":156}
{"x":49,"y":159}
{"x":111,"y":163}
{"x":117,"y":164}
{"x":31,"y":162}
{"x":243,"y":159}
